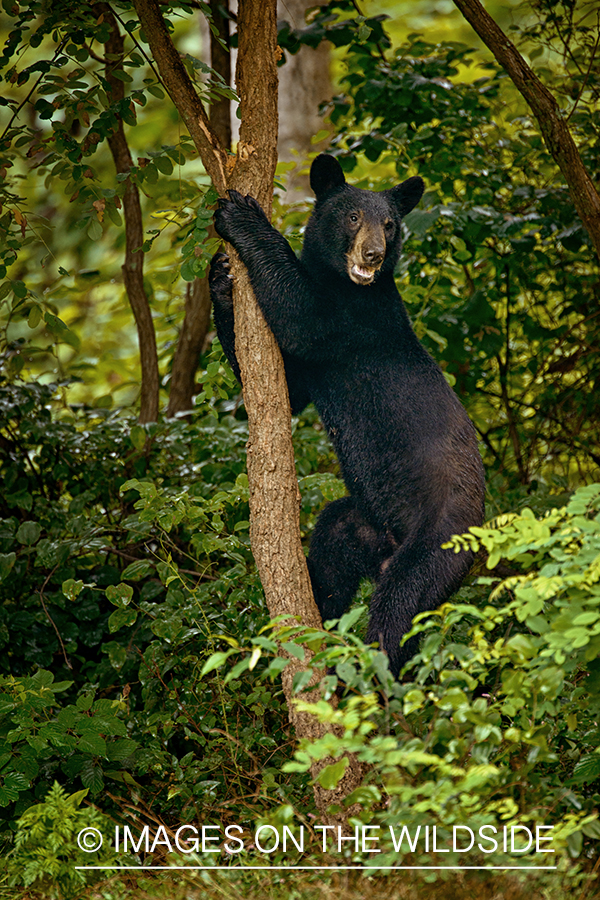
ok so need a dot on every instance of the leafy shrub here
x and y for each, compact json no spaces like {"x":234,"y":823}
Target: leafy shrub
{"x":47,"y":851}
{"x":124,"y":562}
{"x":495,"y":721}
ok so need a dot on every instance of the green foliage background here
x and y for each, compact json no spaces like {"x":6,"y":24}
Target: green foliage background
{"x":138,"y":668}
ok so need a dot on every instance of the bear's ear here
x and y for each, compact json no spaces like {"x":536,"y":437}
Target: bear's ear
{"x":325,"y":175}
{"x":405,"y":196}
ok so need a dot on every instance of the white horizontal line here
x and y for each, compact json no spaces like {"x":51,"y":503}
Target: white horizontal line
{"x":305,"y":868}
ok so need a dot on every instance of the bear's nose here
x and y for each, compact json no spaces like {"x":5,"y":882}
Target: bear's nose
{"x":373,"y":255}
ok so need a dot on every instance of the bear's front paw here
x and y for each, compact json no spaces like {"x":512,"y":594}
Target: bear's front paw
{"x":236,"y":214}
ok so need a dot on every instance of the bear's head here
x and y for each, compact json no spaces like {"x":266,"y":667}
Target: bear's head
{"x":356,"y":233}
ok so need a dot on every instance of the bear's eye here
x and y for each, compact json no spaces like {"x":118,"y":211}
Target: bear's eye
{"x":353,"y":218}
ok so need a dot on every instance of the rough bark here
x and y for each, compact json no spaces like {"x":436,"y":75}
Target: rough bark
{"x":274,"y":496}
{"x":544,"y":107}
{"x":196,"y":320}
{"x":133,"y":266}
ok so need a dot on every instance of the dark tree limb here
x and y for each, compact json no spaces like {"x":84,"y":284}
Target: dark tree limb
{"x":196,"y":320}
{"x":544,"y":107}
{"x":179,"y":86}
{"x":219,"y":113}
{"x":133,"y":267}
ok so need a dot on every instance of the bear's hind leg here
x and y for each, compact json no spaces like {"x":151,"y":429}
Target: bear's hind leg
{"x":344,"y":549}
{"x":419,"y":577}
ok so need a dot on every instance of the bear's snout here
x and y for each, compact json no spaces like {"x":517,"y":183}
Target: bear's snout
{"x":367,"y":253}
{"x":373,"y":256}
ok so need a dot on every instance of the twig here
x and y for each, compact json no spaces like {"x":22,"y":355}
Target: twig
{"x":585,"y":80}
{"x":377,"y":44}
{"x":548,"y":115}
{"x":53,"y":623}
{"x":28,"y":97}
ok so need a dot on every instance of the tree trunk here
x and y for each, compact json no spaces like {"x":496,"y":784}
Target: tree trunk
{"x":274,"y":496}
{"x":544,"y":107}
{"x":133,"y":267}
{"x":304,"y":83}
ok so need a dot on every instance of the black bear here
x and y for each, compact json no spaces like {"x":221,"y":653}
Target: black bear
{"x":406,"y":447}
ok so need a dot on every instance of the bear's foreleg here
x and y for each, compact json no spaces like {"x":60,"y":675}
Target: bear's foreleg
{"x":221,"y":285}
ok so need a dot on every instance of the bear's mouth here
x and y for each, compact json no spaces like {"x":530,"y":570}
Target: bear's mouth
{"x":362,"y":274}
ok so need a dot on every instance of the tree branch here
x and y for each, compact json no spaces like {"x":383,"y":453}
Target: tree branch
{"x":182,"y":92}
{"x":196,"y":320}
{"x":548,"y":114}
{"x":133,"y":267}
{"x":220,"y":61}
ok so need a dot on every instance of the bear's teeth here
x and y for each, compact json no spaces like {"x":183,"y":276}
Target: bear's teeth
{"x":362,"y":272}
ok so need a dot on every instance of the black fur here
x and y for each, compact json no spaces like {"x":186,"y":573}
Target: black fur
{"x":406,"y":447}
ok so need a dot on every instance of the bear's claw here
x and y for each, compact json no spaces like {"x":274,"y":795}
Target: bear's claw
{"x":235,"y":212}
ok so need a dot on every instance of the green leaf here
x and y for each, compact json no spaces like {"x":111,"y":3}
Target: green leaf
{"x":301,"y":679}
{"x":119,"y":594}
{"x":122,"y":749}
{"x":187,"y":270}
{"x":19,"y":289}
{"x":117,"y":654}
{"x":28,"y":533}
{"x":92,"y":743}
{"x":121,"y":618}
{"x":330,"y":776}
{"x":7,"y":795}
{"x":294,"y":650}
{"x":276,"y":667}
{"x":587,"y":769}
{"x":35,"y":317}
{"x":164,"y":165}
{"x":215,"y":661}
{"x":16,"y":781}
{"x":94,"y":230}
{"x":7,"y":561}
{"x":349,"y":619}
{"x":592,"y":829}
{"x":419,"y":221}
{"x":137,"y":570}
{"x":121,"y":75}
{"x":92,"y":777}
{"x":71,"y":588}
{"x":138,"y":436}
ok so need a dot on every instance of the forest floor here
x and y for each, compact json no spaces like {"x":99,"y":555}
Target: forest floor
{"x":349,"y":885}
